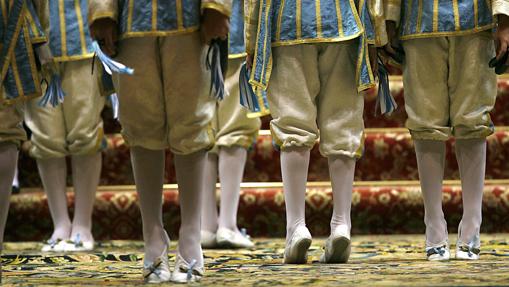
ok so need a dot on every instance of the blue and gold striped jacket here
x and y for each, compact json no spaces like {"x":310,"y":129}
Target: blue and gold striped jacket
{"x":237,"y":48}
{"x":69,"y":36}
{"x":139,"y":18}
{"x":272,"y":23}
{"x":434,"y":18}
{"x":20,"y":31}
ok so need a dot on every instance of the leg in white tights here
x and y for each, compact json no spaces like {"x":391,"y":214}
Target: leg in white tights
{"x":8,"y":163}
{"x":190,"y":172}
{"x":86,"y":170}
{"x":53,"y":172}
{"x":430,"y":162}
{"x":471,"y":157}
{"x":294,"y":169}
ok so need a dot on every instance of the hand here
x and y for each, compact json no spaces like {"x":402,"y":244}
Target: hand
{"x":214,"y":25}
{"x":502,"y":36}
{"x":392,"y":35}
{"x":249,"y":62}
{"x":373,"y":59}
{"x":104,"y":31}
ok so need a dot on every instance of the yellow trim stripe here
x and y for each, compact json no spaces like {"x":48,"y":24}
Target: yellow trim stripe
{"x":137,"y":34}
{"x":456,"y":8}
{"x":356,"y":15}
{"x":63,"y":30}
{"x":419,"y":17}
{"x":180,"y":17}
{"x":445,"y":34}
{"x":17,"y":80}
{"x":476,"y":13}
{"x":4,"y":12}
{"x":32,"y":62}
{"x":318,"y":18}
{"x":10,"y":51}
{"x":298,"y":18}
{"x":280,"y":20}
{"x":154,"y":15}
{"x":31,"y":22}
{"x":77,"y":6}
{"x":130,"y":11}
{"x":316,"y":40}
{"x":341,"y":32}
{"x":408,"y":16}
{"x":435,"y":16}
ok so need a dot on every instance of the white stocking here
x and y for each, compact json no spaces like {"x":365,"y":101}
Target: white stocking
{"x":231,"y":170}
{"x":148,"y":168}
{"x":431,"y":161}
{"x":471,"y":157}
{"x":86,"y":170}
{"x":209,"y":215}
{"x":342,"y":170}
{"x":294,"y":169}
{"x":190,"y":172}
{"x":53,"y":172}
{"x":8,"y":163}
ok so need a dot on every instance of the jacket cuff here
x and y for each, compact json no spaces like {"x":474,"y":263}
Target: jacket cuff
{"x":224,"y":6}
{"x":501,"y":7}
{"x":100,"y":9}
{"x":393,"y":11}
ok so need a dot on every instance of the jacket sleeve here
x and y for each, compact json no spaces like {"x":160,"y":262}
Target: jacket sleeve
{"x":393,"y":10}
{"x":251,"y":18}
{"x":500,"y":7}
{"x":223,"y":6}
{"x":37,"y":19}
{"x":98,"y":9}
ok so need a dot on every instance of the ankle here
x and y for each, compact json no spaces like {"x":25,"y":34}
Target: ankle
{"x":84,"y":233}
{"x":229,"y":226}
{"x":62,"y":231}
{"x":290,"y":229}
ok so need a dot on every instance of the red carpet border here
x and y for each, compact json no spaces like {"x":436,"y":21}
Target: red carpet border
{"x":377,"y":208}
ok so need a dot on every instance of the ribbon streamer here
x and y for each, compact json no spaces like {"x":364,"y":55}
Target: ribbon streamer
{"x":213,"y":64}
{"x":54,"y":94}
{"x":385,"y":101}
{"x":110,"y":66}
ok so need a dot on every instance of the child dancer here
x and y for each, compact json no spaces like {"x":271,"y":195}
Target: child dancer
{"x":235,"y":133}
{"x":73,"y":128}
{"x":165,"y":104}
{"x":20,"y":81}
{"x":317,"y":66}
{"x":449,"y":91}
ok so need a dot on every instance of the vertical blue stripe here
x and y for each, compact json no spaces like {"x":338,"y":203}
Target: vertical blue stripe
{"x":289,"y":21}
{"x":427,"y":16}
{"x":414,"y":15}
{"x":142,"y":15}
{"x":167,"y":15}
{"x":236,"y":45}
{"x":329,"y":19}
{"x":466,"y":8}
{"x":445,"y":16}
{"x":485,"y":17}
{"x":191,"y":13}
{"x":308,"y":21}
{"x":350,"y":26}
{"x":84,"y":14}
{"x":54,"y":33}
{"x":72,"y":29}
{"x":276,"y":7}
{"x":123,"y":15}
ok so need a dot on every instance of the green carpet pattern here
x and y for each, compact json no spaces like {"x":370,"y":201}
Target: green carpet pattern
{"x":376,"y":261}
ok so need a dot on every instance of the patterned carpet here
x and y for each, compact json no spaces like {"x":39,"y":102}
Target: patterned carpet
{"x":376,"y":261}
